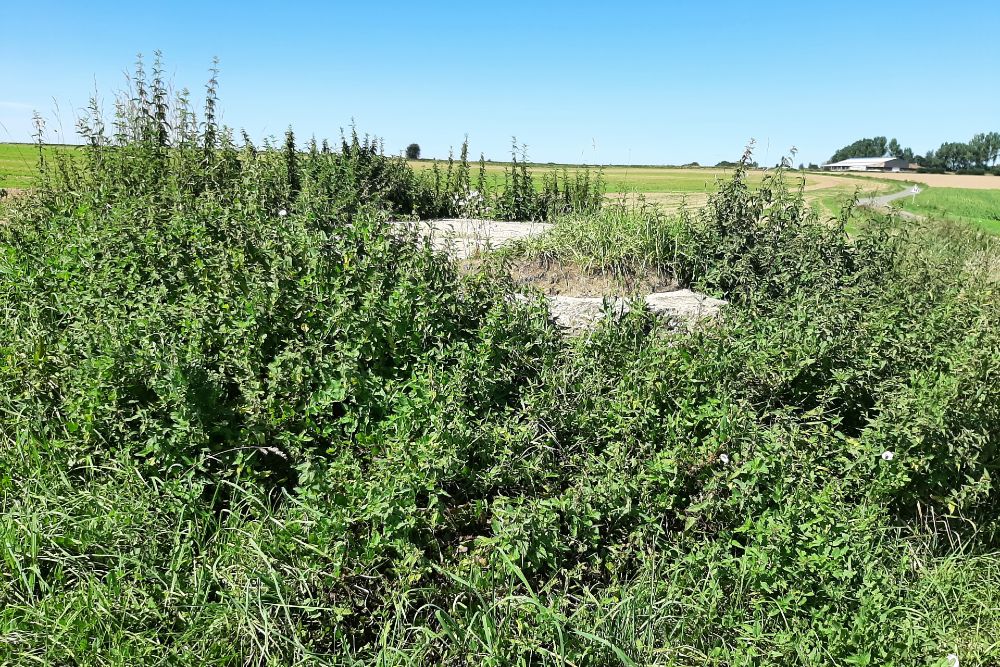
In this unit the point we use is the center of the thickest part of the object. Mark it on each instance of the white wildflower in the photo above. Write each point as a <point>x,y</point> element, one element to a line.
<point>724,458</point>
<point>282,213</point>
<point>952,660</point>
<point>887,455</point>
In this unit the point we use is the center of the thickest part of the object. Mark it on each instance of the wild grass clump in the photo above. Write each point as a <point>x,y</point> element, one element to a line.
<point>245,421</point>
<point>747,242</point>
<point>624,240</point>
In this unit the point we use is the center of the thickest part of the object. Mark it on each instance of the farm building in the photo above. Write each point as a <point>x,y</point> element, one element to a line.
<point>869,164</point>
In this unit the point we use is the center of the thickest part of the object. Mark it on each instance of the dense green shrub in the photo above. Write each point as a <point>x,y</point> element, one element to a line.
<point>764,243</point>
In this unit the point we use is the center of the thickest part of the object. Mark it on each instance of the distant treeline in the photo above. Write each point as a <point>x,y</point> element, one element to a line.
<point>978,154</point>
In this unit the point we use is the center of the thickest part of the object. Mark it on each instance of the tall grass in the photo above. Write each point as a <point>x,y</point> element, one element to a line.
<point>980,208</point>
<point>246,421</point>
<point>625,239</point>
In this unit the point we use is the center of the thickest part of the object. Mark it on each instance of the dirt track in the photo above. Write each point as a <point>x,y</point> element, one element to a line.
<point>941,180</point>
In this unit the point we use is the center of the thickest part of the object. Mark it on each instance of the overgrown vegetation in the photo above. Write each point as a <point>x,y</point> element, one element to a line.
<point>168,140</point>
<point>246,421</point>
<point>980,208</point>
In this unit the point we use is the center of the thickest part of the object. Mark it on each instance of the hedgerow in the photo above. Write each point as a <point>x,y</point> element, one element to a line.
<point>248,421</point>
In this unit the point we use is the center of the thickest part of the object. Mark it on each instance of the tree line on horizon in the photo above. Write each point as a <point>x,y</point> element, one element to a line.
<point>978,154</point>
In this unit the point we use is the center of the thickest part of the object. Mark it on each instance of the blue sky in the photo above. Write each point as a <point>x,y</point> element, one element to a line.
<point>640,82</point>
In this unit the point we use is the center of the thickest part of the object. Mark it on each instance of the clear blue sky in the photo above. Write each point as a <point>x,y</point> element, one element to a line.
<point>604,82</point>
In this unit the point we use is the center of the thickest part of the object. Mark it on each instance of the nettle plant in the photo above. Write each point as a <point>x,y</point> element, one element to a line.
<point>522,198</point>
<point>766,242</point>
<point>518,196</point>
<point>159,144</point>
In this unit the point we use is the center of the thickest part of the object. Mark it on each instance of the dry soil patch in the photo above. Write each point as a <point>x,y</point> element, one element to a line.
<point>942,180</point>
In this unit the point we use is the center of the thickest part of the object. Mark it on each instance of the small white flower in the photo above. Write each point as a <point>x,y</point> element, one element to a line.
<point>724,458</point>
<point>887,455</point>
<point>952,660</point>
<point>282,213</point>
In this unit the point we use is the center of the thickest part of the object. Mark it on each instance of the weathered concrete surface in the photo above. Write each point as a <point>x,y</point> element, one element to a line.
<point>468,237</point>
<point>684,307</point>
<point>577,313</point>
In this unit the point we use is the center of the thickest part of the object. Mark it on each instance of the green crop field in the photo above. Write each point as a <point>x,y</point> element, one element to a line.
<point>975,207</point>
<point>19,163</point>
<point>667,186</point>
<point>672,186</point>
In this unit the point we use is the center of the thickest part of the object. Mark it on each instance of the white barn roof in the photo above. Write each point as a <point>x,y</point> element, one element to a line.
<point>861,162</point>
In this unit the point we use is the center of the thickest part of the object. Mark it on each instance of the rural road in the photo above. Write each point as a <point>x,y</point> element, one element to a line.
<point>884,200</point>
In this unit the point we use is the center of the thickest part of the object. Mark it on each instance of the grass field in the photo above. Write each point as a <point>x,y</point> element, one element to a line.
<point>672,186</point>
<point>19,164</point>
<point>667,186</point>
<point>977,207</point>
<point>974,203</point>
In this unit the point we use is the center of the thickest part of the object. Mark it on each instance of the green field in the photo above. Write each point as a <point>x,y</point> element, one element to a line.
<point>671,186</point>
<point>976,207</point>
<point>668,186</point>
<point>19,163</point>
<point>625,179</point>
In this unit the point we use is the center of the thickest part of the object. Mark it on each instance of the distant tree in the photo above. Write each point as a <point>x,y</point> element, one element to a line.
<point>413,152</point>
<point>874,147</point>
<point>954,156</point>
<point>994,140</point>
<point>985,148</point>
<point>894,148</point>
<point>991,141</point>
<point>898,151</point>
<point>979,150</point>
